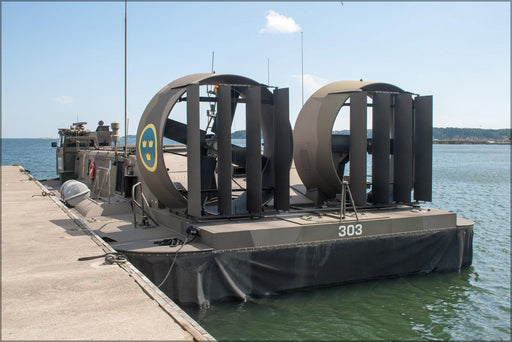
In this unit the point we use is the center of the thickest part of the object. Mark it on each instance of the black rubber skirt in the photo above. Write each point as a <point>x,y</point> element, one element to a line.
<point>206,277</point>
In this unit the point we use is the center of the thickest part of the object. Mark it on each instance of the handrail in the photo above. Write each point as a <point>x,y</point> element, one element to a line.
<point>344,188</point>
<point>98,184</point>
<point>140,205</point>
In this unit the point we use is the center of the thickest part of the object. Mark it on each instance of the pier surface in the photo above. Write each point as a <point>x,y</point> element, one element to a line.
<point>48,294</point>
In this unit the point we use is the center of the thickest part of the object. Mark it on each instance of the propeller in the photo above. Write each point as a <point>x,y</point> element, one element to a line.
<point>268,113</point>
<point>177,131</point>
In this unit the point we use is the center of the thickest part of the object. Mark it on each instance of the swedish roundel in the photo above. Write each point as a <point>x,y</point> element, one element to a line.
<point>148,147</point>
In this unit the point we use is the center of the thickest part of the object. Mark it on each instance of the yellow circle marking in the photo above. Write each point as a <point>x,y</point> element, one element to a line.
<point>147,144</point>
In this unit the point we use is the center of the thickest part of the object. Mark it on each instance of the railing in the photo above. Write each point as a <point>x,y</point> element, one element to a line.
<point>145,214</point>
<point>345,187</point>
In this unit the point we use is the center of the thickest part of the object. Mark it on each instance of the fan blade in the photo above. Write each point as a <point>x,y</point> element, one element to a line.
<point>239,154</point>
<point>340,142</point>
<point>177,131</point>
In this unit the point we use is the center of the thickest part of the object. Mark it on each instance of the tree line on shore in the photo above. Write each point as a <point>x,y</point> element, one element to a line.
<point>439,133</point>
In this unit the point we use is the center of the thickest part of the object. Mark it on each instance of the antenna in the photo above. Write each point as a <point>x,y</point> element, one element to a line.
<point>125,95</point>
<point>213,60</point>
<point>302,63</point>
<point>268,71</point>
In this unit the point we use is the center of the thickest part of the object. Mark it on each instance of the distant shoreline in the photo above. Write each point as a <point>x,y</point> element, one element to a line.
<point>470,142</point>
<point>435,141</point>
<point>440,135</point>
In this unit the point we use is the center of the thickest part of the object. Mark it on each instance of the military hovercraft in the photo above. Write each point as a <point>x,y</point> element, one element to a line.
<point>208,220</point>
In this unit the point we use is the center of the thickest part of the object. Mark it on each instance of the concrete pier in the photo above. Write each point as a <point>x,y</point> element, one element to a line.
<point>47,294</point>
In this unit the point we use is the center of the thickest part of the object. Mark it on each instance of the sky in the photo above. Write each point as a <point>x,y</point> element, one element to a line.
<point>64,61</point>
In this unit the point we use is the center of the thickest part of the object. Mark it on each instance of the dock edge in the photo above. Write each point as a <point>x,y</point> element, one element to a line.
<point>172,309</point>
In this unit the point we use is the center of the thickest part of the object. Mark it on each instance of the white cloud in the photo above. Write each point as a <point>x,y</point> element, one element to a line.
<point>312,83</point>
<point>278,23</point>
<point>64,99</point>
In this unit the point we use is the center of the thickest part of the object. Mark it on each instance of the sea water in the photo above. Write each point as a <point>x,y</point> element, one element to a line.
<point>474,304</point>
<point>472,180</point>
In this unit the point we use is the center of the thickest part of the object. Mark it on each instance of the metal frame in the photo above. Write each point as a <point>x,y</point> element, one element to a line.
<point>276,133</point>
<point>397,146</point>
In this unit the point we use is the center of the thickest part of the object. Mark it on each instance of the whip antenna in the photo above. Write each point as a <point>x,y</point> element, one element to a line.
<point>125,115</point>
<point>213,60</point>
<point>268,71</point>
<point>302,64</point>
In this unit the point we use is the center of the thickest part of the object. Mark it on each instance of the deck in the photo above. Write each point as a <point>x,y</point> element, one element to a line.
<point>48,294</point>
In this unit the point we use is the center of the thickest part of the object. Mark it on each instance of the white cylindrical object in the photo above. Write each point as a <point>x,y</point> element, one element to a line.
<point>73,192</point>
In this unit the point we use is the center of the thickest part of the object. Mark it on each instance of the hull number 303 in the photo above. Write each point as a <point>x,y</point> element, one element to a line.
<point>350,230</point>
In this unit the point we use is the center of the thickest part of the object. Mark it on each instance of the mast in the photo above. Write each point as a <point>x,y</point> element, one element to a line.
<point>268,71</point>
<point>302,63</point>
<point>213,60</point>
<point>125,95</point>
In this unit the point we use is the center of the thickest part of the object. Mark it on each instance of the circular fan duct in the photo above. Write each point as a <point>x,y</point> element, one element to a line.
<point>212,152</point>
<point>320,155</point>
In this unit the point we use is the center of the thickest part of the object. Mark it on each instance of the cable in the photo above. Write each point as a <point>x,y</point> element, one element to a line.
<point>172,264</point>
<point>190,231</point>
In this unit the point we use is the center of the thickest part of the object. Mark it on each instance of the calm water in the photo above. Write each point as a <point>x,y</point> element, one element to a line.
<point>472,180</point>
<point>35,155</point>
